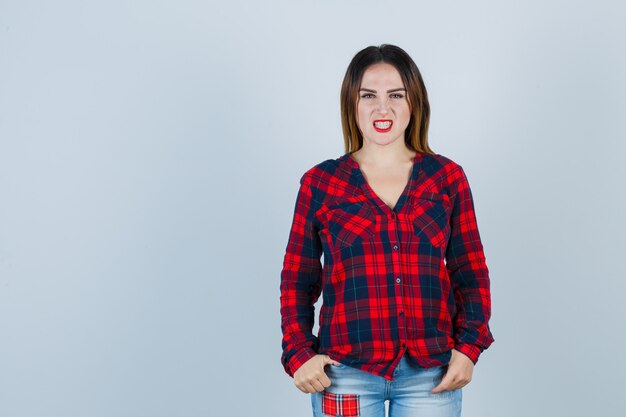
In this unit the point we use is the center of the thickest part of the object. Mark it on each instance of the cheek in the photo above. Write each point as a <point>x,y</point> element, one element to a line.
<point>406,114</point>
<point>361,117</point>
<point>362,126</point>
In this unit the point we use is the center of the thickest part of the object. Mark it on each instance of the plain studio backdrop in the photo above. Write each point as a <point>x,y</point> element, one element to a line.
<point>150,156</point>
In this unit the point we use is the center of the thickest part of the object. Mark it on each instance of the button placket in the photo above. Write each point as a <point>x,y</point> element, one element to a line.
<point>396,256</point>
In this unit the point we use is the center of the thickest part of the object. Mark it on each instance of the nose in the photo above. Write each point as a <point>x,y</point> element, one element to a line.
<point>383,105</point>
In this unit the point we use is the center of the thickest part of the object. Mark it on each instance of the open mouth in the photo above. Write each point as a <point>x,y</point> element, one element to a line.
<point>383,126</point>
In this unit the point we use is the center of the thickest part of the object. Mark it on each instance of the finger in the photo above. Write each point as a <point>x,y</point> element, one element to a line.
<point>439,388</point>
<point>331,361</point>
<point>445,384</point>
<point>305,385</point>
<point>304,388</point>
<point>309,387</point>
<point>450,383</point>
<point>317,385</point>
<point>324,380</point>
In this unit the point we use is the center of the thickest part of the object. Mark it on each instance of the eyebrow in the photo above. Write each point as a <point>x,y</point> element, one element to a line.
<point>389,91</point>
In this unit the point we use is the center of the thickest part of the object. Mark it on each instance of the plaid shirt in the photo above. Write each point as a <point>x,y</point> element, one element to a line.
<point>410,278</point>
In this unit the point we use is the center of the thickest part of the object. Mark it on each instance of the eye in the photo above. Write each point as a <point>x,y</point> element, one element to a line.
<point>367,95</point>
<point>397,96</point>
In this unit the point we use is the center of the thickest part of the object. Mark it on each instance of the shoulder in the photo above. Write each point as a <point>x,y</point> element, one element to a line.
<point>438,165</point>
<point>324,170</point>
<point>440,161</point>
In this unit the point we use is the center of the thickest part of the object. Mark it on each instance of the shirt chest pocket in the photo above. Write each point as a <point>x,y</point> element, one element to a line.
<point>430,219</point>
<point>351,223</point>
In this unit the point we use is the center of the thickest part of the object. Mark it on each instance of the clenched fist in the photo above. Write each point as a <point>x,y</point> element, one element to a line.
<point>310,377</point>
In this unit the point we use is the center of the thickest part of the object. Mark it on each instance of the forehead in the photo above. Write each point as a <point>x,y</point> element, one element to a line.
<point>381,74</point>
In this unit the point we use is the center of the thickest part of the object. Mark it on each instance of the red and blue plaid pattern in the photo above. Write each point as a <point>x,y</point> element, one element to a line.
<point>345,405</point>
<point>412,277</point>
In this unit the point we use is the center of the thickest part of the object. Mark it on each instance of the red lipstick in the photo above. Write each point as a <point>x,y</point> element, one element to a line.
<point>387,129</point>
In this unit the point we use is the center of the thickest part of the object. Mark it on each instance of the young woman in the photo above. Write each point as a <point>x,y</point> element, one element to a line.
<point>405,284</point>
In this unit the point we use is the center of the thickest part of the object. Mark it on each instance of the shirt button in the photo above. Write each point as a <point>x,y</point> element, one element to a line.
<point>393,215</point>
<point>402,313</point>
<point>395,247</point>
<point>398,280</point>
<point>403,344</point>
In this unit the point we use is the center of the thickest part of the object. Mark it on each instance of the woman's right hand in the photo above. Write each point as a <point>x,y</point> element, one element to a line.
<point>310,377</point>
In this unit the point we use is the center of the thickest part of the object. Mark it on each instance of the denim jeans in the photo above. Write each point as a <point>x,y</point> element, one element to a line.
<point>354,392</point>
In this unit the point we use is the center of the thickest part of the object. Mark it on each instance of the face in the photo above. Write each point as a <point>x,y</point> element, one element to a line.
<point>383,111</point>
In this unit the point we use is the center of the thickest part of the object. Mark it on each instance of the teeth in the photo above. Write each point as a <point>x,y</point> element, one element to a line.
<point>382,125</point>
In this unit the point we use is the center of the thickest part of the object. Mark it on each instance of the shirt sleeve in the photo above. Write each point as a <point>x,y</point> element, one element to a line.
<point>469,275</point>
<point>300,285</point>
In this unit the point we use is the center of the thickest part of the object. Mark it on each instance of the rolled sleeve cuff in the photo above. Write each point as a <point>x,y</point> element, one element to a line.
<point>299,358</point>
<point>471,351</point>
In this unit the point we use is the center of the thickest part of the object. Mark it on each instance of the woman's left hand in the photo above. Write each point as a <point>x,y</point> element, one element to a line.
<point>458,374</point>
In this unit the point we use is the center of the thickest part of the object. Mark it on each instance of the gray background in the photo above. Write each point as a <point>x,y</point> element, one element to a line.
<point>150,153</point>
